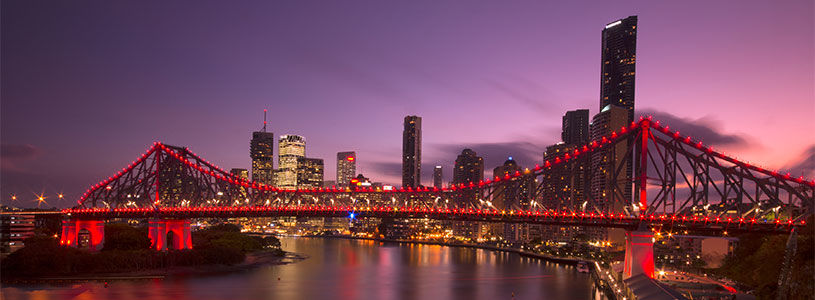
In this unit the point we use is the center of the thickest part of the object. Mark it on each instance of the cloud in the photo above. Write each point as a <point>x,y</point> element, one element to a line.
<point>524,97</point>
<point>704,129</point>
<point>804,165</point>
<point>384,169</point>
<point>12,155</point>
<point>18,151</point>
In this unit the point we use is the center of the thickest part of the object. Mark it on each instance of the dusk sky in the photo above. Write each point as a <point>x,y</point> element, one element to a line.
<point>87,86</point>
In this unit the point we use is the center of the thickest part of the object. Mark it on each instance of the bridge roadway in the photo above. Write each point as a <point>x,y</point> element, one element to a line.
<point>562,218</point>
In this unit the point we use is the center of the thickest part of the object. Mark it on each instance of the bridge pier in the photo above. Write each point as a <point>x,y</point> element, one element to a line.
<point>639,254</point>
<point>169,234</point>
<point>84,234</point>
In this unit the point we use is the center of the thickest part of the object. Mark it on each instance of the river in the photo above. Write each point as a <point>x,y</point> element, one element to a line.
<point>352,269</point>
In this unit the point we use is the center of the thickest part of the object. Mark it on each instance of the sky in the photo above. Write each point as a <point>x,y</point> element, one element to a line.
<point>87,86</point>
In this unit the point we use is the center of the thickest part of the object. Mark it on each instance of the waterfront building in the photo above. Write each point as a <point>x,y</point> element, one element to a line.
<point>469,167</point>
<point>14,229</point>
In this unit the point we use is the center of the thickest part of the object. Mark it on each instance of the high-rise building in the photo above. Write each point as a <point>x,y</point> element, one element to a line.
<point>309,172</point>
<point>346,167</point>
<point>618,65</point>
<point>241,173</point>
<point>291,147</point>
<point>437,177</point>
<point>469,167</point>
<point>261,150</point>
<point>575,127</point>
<point>606,187</point>
<point>513,194</point>
<point>412,152</point>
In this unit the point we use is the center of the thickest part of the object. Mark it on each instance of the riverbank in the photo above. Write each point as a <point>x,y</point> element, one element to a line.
<point>560,260</point>
<point>253,260</point>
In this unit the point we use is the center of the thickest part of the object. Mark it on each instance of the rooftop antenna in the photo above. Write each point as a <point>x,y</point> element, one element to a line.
<point>264,120</point>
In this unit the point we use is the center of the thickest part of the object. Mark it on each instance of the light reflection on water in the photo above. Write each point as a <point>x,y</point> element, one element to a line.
<point>353,269</point>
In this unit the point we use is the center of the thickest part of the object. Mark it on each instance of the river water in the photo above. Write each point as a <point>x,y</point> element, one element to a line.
<point>353,269</point>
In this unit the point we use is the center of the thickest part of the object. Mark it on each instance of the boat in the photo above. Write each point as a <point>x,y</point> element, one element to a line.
<point>582,267</point>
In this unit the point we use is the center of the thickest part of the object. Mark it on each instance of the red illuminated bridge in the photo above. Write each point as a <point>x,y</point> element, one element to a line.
<point>677,183</point>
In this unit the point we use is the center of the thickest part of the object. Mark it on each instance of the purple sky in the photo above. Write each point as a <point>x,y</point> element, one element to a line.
<point>87,86</point>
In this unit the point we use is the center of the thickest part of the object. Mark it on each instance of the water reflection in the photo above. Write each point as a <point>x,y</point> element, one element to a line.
<point>353,269</point>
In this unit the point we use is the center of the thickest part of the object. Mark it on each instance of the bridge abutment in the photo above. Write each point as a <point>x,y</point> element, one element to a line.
<point>178,231</point>
<point>84,234</point>
<point>639,254</point>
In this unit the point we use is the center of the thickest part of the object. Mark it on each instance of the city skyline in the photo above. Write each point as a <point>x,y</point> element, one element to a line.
<point>33,155</point>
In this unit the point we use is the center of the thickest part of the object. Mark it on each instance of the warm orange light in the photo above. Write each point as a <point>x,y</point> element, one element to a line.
<point>350,158</point>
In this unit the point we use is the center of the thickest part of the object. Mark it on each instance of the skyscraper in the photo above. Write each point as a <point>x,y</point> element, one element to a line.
<point>261,150</point>
<point>346,167</point>
<point>618,63</point>
<point>309,172</point>
<point>290,147</point>
<point>469,167</point>
<point>610,180</point>
<point>513,194</point>
<point>241,173</point>
<point>575,127</point>
<point>437,177</point>
<point>412,152</point>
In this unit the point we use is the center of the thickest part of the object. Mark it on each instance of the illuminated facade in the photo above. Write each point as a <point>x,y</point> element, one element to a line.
<point>437,177</point>
<point>291,147</point>
<point>618,65</point>
<point>346,167</point>
<point>261,151</point>
<point>241,173</point>
<point>412,152</point>
<point>309,172</point>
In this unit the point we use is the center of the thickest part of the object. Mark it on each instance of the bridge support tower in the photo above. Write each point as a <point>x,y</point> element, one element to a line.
<point>168,234</point>
<point>639,253</point>
<point>84,234</point>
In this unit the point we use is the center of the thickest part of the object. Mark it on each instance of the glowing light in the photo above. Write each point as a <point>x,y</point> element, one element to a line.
<point>350,158</point>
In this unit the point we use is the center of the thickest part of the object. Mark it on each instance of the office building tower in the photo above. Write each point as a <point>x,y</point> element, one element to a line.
<point>291,147</point>
<point>346,167</point>
<point>469,167</point>
<point>437,177</point>
<point>513,194</point>
<point>412,152</point>
<point>309,172</point>
<point>575,127</point>
<point>619,57</point>
<point>610,181</point>
<point>261,151</point>
<point>610,174</point>
<point>240,173</point>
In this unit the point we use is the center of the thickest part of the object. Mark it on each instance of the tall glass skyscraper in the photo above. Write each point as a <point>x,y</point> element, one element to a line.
<point>618,65</point>
<point>291,147</point>
<point>412,152</point>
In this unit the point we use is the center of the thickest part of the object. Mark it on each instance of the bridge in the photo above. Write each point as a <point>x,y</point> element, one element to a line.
<point>675,183</point>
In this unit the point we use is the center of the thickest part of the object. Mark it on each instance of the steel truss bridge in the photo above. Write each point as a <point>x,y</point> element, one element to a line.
<point>677,182</point>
